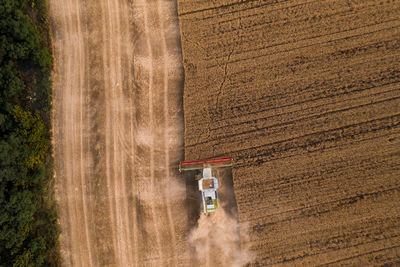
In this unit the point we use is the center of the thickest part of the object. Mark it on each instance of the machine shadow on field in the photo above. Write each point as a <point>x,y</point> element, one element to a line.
<point>226,194</point>
<point>193,198</point>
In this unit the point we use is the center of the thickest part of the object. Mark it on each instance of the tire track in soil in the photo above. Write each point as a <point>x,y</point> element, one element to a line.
<point>144,235</point>
<point>70,225</point>
<point>157,102</point>
<point>159,175</point>
<point>166,124</point>
<point>124,54</point>
<point>72,114</point>
<point>131,145</point>
<point>150,125</point>
<point>116,104</point>
<point>82,64</point>
<point>68,116</point>
<point>108,124</point>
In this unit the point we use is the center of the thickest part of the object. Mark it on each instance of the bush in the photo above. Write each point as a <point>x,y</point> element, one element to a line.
<point>28,219</point>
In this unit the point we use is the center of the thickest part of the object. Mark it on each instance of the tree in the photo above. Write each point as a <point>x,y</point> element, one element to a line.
<point>33,129</point>
<point>28,221</point>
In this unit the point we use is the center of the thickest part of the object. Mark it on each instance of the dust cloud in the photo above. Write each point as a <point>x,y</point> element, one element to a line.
<point>218,238</point>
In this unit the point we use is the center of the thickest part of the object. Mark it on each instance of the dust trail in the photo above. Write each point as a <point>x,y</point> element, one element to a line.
<point>218,238</point>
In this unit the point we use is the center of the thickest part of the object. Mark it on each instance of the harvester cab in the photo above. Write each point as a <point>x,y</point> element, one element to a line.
<point>208,183</point>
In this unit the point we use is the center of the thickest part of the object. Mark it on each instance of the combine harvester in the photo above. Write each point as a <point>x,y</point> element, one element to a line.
<point>208,184</point>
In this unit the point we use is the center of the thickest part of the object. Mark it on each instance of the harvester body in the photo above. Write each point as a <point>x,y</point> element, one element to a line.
<point>208,184</point>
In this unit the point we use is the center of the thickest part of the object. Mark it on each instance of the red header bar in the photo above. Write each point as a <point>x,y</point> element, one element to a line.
<point>194,162</point>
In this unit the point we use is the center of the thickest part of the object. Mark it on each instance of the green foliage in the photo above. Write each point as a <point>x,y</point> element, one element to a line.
<point>33,129</point>
<point>19,37</point>
<point>11,84</point>
<point>43,59</point>
<point>24,260</point>
<point>27,257</point>
<point>40,6</point>
<point>28,219</point>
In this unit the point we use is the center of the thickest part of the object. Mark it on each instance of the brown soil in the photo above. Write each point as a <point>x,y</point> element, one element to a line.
<point>118,133</point>
<point>305,96</point>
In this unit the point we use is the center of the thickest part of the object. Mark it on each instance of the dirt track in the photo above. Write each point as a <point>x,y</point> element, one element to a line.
<point>305,95</point>
<point>118,133</point>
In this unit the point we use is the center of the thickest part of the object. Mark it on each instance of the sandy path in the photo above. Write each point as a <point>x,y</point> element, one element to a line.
<point>118,133</point>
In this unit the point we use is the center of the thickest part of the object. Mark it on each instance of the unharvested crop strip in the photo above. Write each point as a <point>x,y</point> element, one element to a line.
<point>358,255</point>
<point>267,20</point>
<point>247,58</point>
<point>214,8</point>
<point>292,122</point>
<point>260,161</point>
<point>380,44</point>
<point>304,109</point>
<point>302,211</point>
<point>310,45</point>
<point>332,131</point>
<point>255,15</point>
<point>338,169</point>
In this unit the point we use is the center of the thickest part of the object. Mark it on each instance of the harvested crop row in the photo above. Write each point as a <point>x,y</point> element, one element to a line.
<point>118,133</point>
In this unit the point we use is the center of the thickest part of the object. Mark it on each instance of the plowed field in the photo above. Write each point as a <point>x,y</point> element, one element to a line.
<point>305,96</point>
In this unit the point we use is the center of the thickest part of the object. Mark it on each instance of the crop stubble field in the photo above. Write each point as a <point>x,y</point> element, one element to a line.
<point>305,96</point>
<point>118,133</point>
